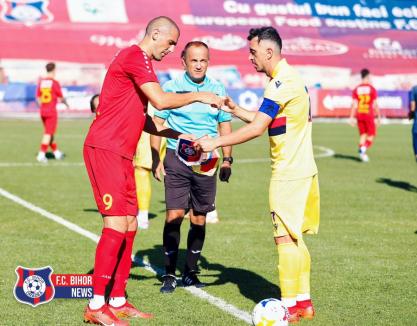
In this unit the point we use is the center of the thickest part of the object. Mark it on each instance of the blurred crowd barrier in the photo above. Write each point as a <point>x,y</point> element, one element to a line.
<point>19,99</point>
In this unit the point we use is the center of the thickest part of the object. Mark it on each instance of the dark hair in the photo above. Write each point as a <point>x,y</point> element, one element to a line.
<point>190,44</point>
<point>92,106</point>
<point>265,33</point>
<point>50,66</point>
<point>365,73</point>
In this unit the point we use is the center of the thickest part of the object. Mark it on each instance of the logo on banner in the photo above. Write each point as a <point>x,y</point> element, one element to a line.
<point>386,48</point>
<point>26,12</point>
<point>334,101</point>
<point>313,47</point>
<point>34,285</point>
<point>97,11</point>
<point>227,42</point>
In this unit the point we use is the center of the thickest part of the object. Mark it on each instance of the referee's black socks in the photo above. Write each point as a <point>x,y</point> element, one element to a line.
<point>171,241</point>
<point>195,242</point>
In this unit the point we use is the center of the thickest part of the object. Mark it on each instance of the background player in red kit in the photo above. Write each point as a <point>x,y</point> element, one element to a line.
<point>364,104</point>
<point>109,148</point>
<point>47,94</point>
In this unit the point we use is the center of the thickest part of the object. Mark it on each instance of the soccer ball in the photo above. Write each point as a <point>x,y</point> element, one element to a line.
<point>270,312</point>
<point>34,286</point>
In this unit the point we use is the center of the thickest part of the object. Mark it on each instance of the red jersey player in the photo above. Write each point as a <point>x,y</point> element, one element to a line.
<point>109,148</point>
<point>364,104</point>
<point>47,94</point>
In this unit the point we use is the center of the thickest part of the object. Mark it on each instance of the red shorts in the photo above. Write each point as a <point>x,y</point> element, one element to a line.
<point>113,180</point>
<point>367,126</point>
<point>49,124</point>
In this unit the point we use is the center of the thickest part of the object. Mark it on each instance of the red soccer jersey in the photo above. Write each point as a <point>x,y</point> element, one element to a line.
<point>48,92</point>
<point>366,96</point>
<point>121,111</point>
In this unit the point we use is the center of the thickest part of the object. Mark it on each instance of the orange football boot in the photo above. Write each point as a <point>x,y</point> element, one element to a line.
<point>293,316</point>
<point>129,311</point>
<point>102,316</point>
<point>305,309</point>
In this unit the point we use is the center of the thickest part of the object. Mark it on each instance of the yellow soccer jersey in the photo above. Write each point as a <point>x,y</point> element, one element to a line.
<point>287,102</point>
<point>143,156</point>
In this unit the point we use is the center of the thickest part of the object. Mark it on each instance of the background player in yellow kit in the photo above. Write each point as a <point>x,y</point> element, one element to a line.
<point>143,171</point>
<point>294,190</point>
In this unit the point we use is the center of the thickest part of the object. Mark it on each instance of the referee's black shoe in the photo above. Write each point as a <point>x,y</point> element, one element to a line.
<point>191,279</point>
<point>169,283</point>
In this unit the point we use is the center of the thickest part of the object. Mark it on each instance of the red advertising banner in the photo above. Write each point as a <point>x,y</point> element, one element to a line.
<point>336,103</point>
<point>350,34</point>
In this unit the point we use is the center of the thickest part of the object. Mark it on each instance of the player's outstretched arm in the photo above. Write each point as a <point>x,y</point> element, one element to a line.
<point>153,127</point>
<point>252,130</point>
<point>165,100</point>
<point>238,111</point>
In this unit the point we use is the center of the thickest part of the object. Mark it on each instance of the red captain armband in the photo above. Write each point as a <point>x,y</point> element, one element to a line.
<point>269,107</point>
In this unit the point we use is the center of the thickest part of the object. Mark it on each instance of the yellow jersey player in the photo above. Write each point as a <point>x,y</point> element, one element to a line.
<point>143,170</point>
<point>294,190</point>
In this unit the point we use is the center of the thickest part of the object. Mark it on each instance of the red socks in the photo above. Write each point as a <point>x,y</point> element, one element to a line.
<point>44,148</point>
<point>368,143</point>
<point>122,272</point>
<point>106,258</point>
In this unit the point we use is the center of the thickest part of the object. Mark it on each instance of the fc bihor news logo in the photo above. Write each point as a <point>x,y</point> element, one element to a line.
<point>34,285</point>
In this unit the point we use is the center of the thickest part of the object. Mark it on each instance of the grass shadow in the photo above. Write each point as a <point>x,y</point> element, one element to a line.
<point>251,285</point>
<point>95,210</point>
<point>398,184</point>
<point>347,157</point>
<point>152,215</point>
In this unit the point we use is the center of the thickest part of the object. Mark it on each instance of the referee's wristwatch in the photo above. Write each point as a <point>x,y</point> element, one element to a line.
<point>228,159</point>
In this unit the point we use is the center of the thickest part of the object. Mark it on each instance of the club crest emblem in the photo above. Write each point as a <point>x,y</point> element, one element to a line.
<point>26,12</point>
<point>34,285</point>
<point>186,151</point>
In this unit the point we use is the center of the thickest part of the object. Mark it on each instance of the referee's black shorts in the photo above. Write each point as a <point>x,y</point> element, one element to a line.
<point>185,189</point>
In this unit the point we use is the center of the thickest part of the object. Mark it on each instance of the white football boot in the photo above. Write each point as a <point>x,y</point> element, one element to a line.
<point>212,217</point>
<point>58,155</point>
<point>41,158</point>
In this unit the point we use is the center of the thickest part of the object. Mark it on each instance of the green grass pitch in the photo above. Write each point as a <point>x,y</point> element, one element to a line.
<point>364,259</point>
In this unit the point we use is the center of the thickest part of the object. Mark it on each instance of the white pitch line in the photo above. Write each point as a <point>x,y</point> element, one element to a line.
<point>326,152</point>
<point>48,215</point>
<point>219,303</point>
